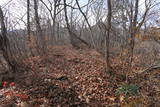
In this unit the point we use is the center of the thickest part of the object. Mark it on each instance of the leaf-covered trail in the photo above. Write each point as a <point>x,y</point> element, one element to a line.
<point>66,77</point>
<point>81,70</point>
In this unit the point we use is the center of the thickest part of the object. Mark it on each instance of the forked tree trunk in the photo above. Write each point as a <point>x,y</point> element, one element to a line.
<point>4,50</point>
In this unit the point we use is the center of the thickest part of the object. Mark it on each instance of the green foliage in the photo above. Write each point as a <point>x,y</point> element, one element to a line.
<point>128,90</point>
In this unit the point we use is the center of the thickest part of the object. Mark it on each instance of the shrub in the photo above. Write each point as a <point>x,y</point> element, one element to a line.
<point>128,90</point>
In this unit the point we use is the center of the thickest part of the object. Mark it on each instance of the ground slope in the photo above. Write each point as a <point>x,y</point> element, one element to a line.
<point>68,77</point>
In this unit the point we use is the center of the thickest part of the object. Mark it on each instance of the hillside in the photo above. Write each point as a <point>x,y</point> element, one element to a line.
<point>67,77</point>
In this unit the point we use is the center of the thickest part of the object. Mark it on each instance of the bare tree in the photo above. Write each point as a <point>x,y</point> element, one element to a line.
<point>53,11</point>
<point>72,34</point>
<point>28,18</point>
<point>108,34</point>
<point>94,45</point>
<point>38,27</point>
<point>135,26</point>
<point>29,26</point>
<point>4,46</point>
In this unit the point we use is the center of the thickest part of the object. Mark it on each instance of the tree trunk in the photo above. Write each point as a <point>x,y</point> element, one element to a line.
<point>28,18</point>
<point>108,35</point>
<point>39,29</point>
<point>4,50</point>
<point>29,28</point>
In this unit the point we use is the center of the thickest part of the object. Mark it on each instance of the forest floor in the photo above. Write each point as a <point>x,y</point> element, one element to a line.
<point>67,77</point>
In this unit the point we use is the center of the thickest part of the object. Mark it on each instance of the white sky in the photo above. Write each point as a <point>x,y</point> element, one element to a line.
<point>3,1</point>
<point>17,9</point>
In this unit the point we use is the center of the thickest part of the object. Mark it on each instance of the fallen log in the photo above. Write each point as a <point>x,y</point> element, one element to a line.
<point>151,68</point>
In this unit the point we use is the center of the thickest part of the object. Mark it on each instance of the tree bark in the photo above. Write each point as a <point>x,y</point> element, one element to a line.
<point>108,34</point>
<point>28,18</point>
<point>38,28</point>
<point>4,47</point>
<point>29,28</point>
